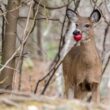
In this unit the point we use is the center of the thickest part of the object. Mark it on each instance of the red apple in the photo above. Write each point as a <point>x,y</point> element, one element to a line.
<point>77,37</point>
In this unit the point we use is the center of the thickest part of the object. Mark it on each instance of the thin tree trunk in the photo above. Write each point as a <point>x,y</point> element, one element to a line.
<point>9,44</point>
<point>39,37</point>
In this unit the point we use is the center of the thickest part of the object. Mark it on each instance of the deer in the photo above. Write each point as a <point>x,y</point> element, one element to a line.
<point>82,66</point>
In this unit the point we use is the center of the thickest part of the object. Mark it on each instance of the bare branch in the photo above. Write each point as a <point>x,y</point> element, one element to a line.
<point>43,18</point>
<point>105,67</point>
<point>20,59</point>
<point>58,60</point>
<point>52,8</point>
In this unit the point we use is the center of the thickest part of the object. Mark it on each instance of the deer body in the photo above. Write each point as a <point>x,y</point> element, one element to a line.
<point>82,66</point>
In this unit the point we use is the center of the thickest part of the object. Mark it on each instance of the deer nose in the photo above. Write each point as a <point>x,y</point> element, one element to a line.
<point>76,32</point>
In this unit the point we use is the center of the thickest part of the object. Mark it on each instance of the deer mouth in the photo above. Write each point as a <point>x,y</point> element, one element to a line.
<point>81,36</point>
<point>77,35</point>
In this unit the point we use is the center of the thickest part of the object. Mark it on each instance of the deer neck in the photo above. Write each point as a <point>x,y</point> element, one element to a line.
<point>88,51</point>
<point>88,44</point>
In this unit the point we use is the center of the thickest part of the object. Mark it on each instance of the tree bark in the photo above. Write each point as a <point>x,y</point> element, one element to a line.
<point>9,44</point>
<point>39,36</point>
<point>39,39</point>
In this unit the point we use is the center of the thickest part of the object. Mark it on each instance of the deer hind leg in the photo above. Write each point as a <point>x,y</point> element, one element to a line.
<point>95,93</point>
<point>87,91</point>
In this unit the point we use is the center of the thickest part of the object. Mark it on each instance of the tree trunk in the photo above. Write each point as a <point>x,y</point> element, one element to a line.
<point>9,44</point>
<point>39,37</point>
<point>39,42</point>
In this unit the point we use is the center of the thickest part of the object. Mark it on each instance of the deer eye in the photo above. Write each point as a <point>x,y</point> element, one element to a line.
<point>87,25</point>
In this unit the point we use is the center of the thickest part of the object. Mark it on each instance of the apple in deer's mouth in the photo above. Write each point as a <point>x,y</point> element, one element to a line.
<point>77,37</point>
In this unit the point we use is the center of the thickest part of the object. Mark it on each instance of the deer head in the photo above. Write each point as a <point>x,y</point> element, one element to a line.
<point>84,25</point>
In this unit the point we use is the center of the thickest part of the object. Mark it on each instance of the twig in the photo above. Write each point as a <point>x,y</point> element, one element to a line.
<point>27,33</point>
<point>4,13</point>
<point>77,4</point>
<point>105,38</point>
<point>43,18</point>
<point>9,67</point>
<point>62,42</point>
<point>50,78</point>
<point>24,41</point>
<point>105,67</point>
<point>20,59</point>
<point>105,2</point>
<point>52,8</point>
<point>62,38</point>
<point>9,11</point>
<point>13,55</point>
<point>57,59</point>
<point>52,67</point>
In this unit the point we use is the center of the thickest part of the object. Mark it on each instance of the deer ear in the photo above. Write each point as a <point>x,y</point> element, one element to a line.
<point>95,16</point>
<point>72,16</point>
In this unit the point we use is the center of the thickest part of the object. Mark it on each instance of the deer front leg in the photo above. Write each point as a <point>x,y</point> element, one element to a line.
<point>95,93</point>
<point>68,89</point>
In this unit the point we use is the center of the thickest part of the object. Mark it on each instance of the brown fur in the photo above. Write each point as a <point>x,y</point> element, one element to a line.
<point>82,68</point>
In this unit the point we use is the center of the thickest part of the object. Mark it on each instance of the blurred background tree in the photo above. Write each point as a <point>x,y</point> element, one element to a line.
<point>9,43</point>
